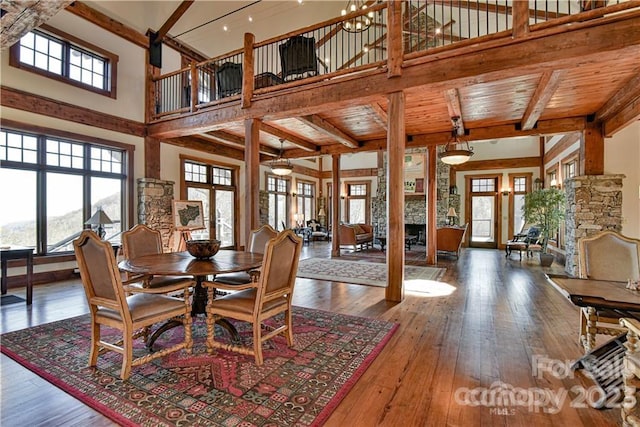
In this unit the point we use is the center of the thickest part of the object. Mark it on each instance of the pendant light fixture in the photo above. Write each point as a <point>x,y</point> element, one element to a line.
<point>457,151</point>
<point>281,166</point>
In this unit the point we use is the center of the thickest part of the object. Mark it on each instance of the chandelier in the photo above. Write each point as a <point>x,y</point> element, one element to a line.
<point>281,166</point>
<point>359,23</point>
<point>456,151</point>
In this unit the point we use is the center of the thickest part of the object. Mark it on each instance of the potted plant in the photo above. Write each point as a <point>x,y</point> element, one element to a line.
<point>544,207</point>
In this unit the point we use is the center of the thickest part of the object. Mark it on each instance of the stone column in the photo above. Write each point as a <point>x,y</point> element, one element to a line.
<point>155,204</point>
<point>594,204</point>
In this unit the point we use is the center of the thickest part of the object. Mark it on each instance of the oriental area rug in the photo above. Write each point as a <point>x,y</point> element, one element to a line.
<point>298,386</point>
<point>361,272</point>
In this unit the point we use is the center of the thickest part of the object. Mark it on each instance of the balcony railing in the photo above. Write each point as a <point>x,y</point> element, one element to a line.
<point>354,43</point>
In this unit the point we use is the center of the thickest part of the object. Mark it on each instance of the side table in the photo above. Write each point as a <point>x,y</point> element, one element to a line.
<point>17,252</point>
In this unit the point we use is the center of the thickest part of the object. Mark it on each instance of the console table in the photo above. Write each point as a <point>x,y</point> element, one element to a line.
<point>17,252</point>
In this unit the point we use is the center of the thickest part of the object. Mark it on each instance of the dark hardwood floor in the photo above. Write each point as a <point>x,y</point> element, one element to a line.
<point>499,318</point>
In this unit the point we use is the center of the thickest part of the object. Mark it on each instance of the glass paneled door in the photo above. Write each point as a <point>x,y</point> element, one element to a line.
<point>482,214</point>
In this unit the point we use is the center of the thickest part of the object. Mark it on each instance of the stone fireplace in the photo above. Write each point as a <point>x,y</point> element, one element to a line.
<point>415,206</point>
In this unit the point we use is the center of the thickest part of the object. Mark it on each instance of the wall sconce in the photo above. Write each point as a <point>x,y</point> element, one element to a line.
<point>506,191</point>
<point>554,183</point>
<point>538,184</point>
<point>293,194</point>
<point>342,196</point>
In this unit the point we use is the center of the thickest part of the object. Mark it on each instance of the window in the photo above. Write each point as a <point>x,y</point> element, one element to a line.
<point>215,186</point>
<point>62,183</point>
<point>358,203</point>
<point>552,178</point>
<point>570,167</point>
<point>521,185</point>
<point>483,185</point>
<point>278,191</point>
<point>305,201</point>
<point>60,56</point>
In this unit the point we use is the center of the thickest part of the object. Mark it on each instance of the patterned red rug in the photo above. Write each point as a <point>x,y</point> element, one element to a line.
<point>298,386</point>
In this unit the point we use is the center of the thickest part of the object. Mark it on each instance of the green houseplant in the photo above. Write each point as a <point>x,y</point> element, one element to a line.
<point>545,208</point>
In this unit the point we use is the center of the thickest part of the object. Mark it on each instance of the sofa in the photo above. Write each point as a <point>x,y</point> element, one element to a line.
<point>449,239</point>
<point>356,235</point>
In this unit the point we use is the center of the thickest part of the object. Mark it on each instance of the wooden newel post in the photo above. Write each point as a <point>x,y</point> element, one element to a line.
<point>247,70</point>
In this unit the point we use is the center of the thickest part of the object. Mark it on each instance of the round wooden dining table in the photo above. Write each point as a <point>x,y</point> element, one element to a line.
<point>184,264</point>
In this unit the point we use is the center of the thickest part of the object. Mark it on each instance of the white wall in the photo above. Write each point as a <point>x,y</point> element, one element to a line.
<point>622,156</point>
<point>130,79</point>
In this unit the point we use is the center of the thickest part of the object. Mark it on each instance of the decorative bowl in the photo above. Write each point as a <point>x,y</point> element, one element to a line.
<point>203,249</point>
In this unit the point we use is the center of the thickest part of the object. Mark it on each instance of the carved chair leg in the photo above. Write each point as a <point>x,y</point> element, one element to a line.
<point>629,409</point>
<point>589,337</point>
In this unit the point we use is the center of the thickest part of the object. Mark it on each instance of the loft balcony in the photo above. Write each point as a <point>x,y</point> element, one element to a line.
<point>508,68</point>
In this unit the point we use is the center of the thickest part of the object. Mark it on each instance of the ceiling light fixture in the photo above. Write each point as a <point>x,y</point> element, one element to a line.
<point>358,23</point>
<point>456,151</point>
<point>281,166</point>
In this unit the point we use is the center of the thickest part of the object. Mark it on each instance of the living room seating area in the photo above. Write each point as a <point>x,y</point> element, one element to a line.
<point>359,236</point>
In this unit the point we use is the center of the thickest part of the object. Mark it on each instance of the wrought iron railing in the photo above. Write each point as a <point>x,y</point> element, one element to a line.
<point>357,42</point>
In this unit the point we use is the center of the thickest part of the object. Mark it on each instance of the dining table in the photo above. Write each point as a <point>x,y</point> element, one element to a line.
<point>605,362</point>
<point>184,264</point>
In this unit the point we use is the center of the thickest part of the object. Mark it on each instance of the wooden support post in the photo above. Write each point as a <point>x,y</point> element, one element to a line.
<point>335,206</point>
<point>394,36</point>
<point>247,71</point>
<point>520,18</point>
<point>592,150</point>
<point>151,157</point>
<point>396,138</point>
<point>432,200</point>
<point>252,177</point>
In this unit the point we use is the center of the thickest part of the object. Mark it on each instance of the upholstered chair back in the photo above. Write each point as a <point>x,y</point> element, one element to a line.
<point>609,256</point>
<point>140,241</point>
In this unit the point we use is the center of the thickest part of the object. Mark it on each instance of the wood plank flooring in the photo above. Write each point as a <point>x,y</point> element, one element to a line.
<point>500,317</point>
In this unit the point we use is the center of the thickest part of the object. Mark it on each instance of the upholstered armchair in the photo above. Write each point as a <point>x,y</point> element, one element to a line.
<point>318,232</point>
<point>449,239</point>
<point>133,314</point>
<point>142,240</point>
<point>270,296</point>
<point>605,256</point>
<point>356,235</point>
<point>257,242</point>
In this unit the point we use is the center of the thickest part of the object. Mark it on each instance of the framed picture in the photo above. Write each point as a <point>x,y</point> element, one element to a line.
<point>188,215</point>
<point>415,170</point>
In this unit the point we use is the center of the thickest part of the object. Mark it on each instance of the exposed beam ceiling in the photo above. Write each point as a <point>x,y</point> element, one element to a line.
<point>547,85</point>
<point>321,125</point>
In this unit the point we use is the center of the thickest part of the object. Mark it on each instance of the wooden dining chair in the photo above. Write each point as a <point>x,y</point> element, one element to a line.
<point>142,240</point>
<point>271,295</point>
<point>605,256</point>
<point>110,306</point>
<point>258,239</point>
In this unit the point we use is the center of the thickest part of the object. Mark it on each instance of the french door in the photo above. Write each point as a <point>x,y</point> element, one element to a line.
<point>483,212</point>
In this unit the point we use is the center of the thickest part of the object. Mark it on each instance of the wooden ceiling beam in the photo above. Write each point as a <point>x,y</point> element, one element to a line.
<point>208,147</point>
<point>452,96</point>
<point>379,115</point>
<point>627,93</point>
<point>549,82</point>
<point>563,143</point>
<point>517,162</point>
<point>103,21</point>
<point>229,138</point>
<point>545,127</point>
<point>294,139</point>
<point>321,125</point>
<point>20,17</point>
<point>630,113</point>
<point>169,23</point>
